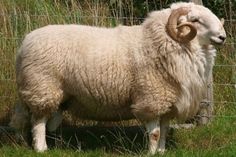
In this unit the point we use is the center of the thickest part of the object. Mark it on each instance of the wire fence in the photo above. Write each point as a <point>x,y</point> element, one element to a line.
<point>14,26</point>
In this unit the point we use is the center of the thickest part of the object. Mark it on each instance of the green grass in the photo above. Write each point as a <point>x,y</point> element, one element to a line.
<point>7,151</point>
<point>217,139</point>
<point>19,17</point>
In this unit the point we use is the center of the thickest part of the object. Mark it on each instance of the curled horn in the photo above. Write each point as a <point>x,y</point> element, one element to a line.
<point>175,31</point>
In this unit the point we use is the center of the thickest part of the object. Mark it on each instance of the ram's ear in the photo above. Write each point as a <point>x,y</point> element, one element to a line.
<point>222,20</point>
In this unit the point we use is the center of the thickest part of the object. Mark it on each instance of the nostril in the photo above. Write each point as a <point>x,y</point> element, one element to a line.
<point>222,37</point>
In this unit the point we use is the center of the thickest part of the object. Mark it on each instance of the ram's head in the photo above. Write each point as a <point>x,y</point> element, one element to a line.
<point>186,23</point>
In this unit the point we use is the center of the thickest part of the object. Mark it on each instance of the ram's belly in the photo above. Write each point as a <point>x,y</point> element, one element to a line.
<point>105,98</point>
<point>92,109</point>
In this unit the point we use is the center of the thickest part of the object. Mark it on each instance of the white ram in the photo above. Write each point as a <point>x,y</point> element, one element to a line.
<point>153,72</point>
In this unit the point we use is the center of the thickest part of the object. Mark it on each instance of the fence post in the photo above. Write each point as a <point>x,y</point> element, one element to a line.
<point>232,44</point>
<point>206,107</point>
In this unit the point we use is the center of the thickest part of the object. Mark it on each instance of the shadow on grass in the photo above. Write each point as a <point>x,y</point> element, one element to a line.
<point>132,139</point>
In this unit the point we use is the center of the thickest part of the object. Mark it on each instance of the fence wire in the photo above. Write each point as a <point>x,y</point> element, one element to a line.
<point>84,16</point>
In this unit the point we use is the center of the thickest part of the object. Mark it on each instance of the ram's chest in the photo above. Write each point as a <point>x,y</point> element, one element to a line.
<point>193,84</point>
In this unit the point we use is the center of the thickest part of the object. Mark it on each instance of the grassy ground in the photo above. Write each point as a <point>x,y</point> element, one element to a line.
<point>217,139</point>
<point>18,17</point>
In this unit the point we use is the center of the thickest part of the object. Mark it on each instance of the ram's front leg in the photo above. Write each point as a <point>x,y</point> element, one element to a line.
<point>153,129</point>
<point>157,130</point>
<point>164,130</point>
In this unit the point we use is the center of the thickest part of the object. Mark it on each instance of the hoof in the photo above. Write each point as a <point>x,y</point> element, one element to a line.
<point>40,149</point>
<point>161,151</point>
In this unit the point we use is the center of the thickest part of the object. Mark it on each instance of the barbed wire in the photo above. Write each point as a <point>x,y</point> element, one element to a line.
<point>225,65</point>
<point>74,15</point>
<point>224,84</point>
<point>216,116</point>
<point>84,16</point>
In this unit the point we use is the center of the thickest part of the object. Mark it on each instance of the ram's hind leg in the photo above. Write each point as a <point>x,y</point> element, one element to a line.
<point>39,120</point>
<point>54,121</point>
<point>39,133</point>
<point>42,101</point>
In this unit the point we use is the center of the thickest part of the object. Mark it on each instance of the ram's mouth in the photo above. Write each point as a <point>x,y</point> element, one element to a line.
<point>217,41</point>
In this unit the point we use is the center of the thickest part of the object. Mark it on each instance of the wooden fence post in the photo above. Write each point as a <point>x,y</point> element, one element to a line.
<point>206,107</point>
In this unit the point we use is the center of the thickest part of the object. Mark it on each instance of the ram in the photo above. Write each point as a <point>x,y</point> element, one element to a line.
<point>153,72</point>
